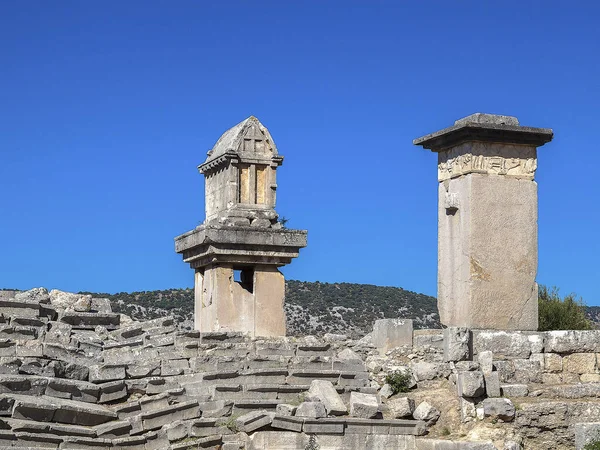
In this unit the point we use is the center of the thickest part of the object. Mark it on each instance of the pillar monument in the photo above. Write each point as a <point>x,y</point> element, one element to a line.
<point>238,249</point>
<point>487,222</point>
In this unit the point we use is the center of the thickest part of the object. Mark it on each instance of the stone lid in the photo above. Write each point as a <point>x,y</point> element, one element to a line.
<point>485,127</point>
<point>233,139</point>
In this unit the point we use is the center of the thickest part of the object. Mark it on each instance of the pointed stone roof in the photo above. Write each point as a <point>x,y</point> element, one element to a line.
<point>248,136</point>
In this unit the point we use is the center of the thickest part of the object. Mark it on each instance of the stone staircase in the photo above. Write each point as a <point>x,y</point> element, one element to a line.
<point>75,375</point>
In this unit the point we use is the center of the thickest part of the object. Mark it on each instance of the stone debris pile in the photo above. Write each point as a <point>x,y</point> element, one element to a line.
<point>75,375</point>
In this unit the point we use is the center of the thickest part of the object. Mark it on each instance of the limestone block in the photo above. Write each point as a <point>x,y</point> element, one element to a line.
<point>386,391</point>
<point>508,344</point>
<point>468,410</point>
<point>500,408</point>
<point>364,406</point>
<point>485,360</point>
<point>401,407</point>
<point>427,413</point>
<point>254,420</point>
<point>35,295</point>
<point>580,363</point>
<point>324,392</point>
<point>553,362</point>
<point>514,390</point>
<point>392,333</point>
<point>492,384</point>
<point>323,426</point>
<point>572,341</point>
<point>288,423</point>
<point>487,253</point>
<point>429,371</point>
<point>283,409</point>
<point>590,378</point>
<point>103,373</point>
<point>314,410</point>
<point>457,344</point>
<point>470,384</point>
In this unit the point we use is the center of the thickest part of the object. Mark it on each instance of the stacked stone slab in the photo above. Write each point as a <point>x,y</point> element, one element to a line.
<point>487,222</point>
<point>241,234</point>
<point>79,379</point>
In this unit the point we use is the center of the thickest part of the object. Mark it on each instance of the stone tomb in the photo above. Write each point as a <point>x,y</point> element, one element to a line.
<point>487,222</point>
<point>236,252</point>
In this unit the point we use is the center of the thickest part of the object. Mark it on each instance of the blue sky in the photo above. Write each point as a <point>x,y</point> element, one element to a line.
<point>106,109</point>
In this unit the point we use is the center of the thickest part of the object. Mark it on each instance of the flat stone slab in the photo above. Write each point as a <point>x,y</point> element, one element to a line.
<point>51,409</point>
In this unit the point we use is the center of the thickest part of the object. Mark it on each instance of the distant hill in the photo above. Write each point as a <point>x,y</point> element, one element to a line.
<point>311,308</point>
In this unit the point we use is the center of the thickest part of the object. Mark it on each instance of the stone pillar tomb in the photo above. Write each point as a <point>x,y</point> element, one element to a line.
<point>236,252</point>
<point>487,222</point>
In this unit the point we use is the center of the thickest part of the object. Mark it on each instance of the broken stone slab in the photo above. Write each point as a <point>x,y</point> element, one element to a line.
<point>89,321</point>
<point>391,333</point>
<point>470,384</point>
<point>514,390</point>
<point>364,406</point>
<point>457,344</point>
<point>204,442</point>
<point>283,409</point>
<point>500,408</point>
<point>401,407</point>
<point>106,372</point>
<point>18,332</point>
<point>51,409</point>
<point>424,371</point>
<point>217,408</point>
<point>21,308</point>
<point>386,391</point>
<point>23,384</point>
<point>143,369</point>
<point>112,430</point>
<point>324,392</point>
<point>288,423</point>
<point>72,390</point>
<point>427,413</point>
<point>154,420</point>
<point>254,420</point>
<point>35,295</point>
<point>112,391</point>
<point>313,410</point>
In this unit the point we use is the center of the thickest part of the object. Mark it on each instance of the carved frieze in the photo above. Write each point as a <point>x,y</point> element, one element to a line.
<point>516,161</point>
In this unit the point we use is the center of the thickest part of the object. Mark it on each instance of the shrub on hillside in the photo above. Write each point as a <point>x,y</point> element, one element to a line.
<point>560,314</point>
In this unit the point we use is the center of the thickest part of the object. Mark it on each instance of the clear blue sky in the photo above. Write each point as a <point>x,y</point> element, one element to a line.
<point>107,107</point>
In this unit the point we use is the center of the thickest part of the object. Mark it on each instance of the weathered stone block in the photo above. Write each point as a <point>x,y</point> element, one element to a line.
<point>514,390</point>
<point>470,384</point>
<point>492,384</point>
<point>103,373</point>
<point>501,408</point>
<point>391,333</point>
<point>254,420</point>
<point>313,410</point>
<point>324,392</point>
<point>580,363</point>
<point>401,407</point>
<point>364,406</point>
<point>426,412</point>
<point>457,344</point>
<point>508,344</point>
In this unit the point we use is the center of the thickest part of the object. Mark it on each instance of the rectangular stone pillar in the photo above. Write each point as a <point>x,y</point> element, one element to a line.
<point>487,222</point>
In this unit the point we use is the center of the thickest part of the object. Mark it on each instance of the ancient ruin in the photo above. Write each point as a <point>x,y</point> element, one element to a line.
<point>487,222</point>
<point>74,374</point>
<point>241,236</point>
